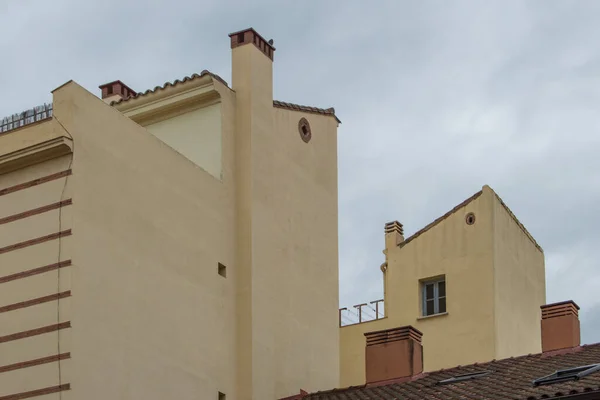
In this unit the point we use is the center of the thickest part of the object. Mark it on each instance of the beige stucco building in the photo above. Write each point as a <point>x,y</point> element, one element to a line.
<point>175,244</point>
<point>472,282</point>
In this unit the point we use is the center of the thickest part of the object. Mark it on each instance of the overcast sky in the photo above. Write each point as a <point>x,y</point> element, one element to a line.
<point>437,98</point>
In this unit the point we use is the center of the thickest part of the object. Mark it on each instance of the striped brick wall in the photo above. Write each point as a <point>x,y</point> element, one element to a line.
<point>35,281</point>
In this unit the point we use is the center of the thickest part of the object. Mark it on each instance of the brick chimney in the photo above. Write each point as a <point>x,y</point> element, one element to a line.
<point>251,36</point>
<point>560,326</point>
<point>393,354</point>
<point>114,91</point>
<point>394,234</point>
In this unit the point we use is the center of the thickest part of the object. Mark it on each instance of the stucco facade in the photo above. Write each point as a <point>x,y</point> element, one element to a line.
<point>494,286</point>
<point>180,243</point>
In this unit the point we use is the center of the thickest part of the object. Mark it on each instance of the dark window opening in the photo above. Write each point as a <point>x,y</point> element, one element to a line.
<point>222,270</point>
<point>434,297</point>
<point>109,90</point>
<point>240,37</point>
<point>222,396</point>
<point>567,375</point>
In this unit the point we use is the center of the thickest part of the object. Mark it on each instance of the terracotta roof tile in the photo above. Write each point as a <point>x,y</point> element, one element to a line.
<point>308,109</point>
<point>276,103</point>
<point>511,378</point>
<point>174,83</point>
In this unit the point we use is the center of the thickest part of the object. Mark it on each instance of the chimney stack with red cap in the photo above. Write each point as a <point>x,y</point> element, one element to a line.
<point>252,71</point>
<point>393,354</point>
<point>560,326</point>
<point>250,36</point>
<point>115,91</point>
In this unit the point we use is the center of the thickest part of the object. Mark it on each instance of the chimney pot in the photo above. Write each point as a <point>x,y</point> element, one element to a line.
<point>393,354</point>
<point>251,36</point>
<point>116,90</point>
<point>560,326</point>
<point>394,234</point>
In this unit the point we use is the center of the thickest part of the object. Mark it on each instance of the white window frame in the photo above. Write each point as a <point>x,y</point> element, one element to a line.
<point>436,296</point>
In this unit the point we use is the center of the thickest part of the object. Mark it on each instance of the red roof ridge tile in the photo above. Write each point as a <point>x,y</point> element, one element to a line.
<point>174,83</point>
<point>309,109</point>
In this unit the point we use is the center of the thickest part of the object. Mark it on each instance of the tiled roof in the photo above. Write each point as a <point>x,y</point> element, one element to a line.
<point>174,83</point>
<point>276,103</point>
<point>511,378</point>
<point>308,109</point>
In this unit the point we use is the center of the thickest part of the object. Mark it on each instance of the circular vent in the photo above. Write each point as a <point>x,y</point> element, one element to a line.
<point>470,218</point>
<point>304,130</point>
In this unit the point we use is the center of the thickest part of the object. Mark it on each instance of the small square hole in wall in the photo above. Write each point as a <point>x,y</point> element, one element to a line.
<point>222,395</point>
<point>223,272</point>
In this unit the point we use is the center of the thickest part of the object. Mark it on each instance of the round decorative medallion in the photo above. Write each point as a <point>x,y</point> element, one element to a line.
<point>304,130</point>
<point>470,218</point>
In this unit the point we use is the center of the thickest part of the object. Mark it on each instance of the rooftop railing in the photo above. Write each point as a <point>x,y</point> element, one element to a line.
<point>27,117</point>
<point>364,312</point>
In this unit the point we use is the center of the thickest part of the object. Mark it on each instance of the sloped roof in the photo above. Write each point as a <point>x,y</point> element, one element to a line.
<point>174,83</point>
<point>276,103</point>
<point>509,379</point>
<point>308,109</point>
<point>464,204</point>
<point>440,219</point>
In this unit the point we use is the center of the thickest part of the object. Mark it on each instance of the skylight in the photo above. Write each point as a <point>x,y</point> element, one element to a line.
<point>567,375</point>
<point>464,377</point>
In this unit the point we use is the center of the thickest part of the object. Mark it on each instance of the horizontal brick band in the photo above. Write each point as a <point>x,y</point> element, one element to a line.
<point>33,363</point>
<point>35,241</point>
<point>36,393</point>
<point>33,302</point>
<point>35,182</point>
<point>35,271</point>
<point>34,332</point>
<point>36,211</point>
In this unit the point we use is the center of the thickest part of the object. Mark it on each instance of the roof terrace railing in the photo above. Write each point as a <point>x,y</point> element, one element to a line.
<point>365,312</point>
<point>27,117</point>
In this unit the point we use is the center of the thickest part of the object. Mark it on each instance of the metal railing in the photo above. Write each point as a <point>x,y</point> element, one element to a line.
<point>27,117</point>
<point>365,312</point>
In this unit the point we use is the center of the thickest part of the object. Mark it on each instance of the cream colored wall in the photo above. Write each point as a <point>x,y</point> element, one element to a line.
<point>463,254</point>
<point>519,286</point>
<point>152,318</point>
<point>15,289</point>
<point>196,135</point>
<point>287,241</point>
<point>296,276</point>
<point>495,284</point>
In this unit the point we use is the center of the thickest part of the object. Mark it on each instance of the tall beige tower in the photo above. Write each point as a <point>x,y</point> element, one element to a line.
<point>287,232</point>
<point>179,242</point>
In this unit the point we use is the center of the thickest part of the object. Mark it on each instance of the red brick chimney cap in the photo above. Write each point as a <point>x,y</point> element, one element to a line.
<point>561,303</point>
